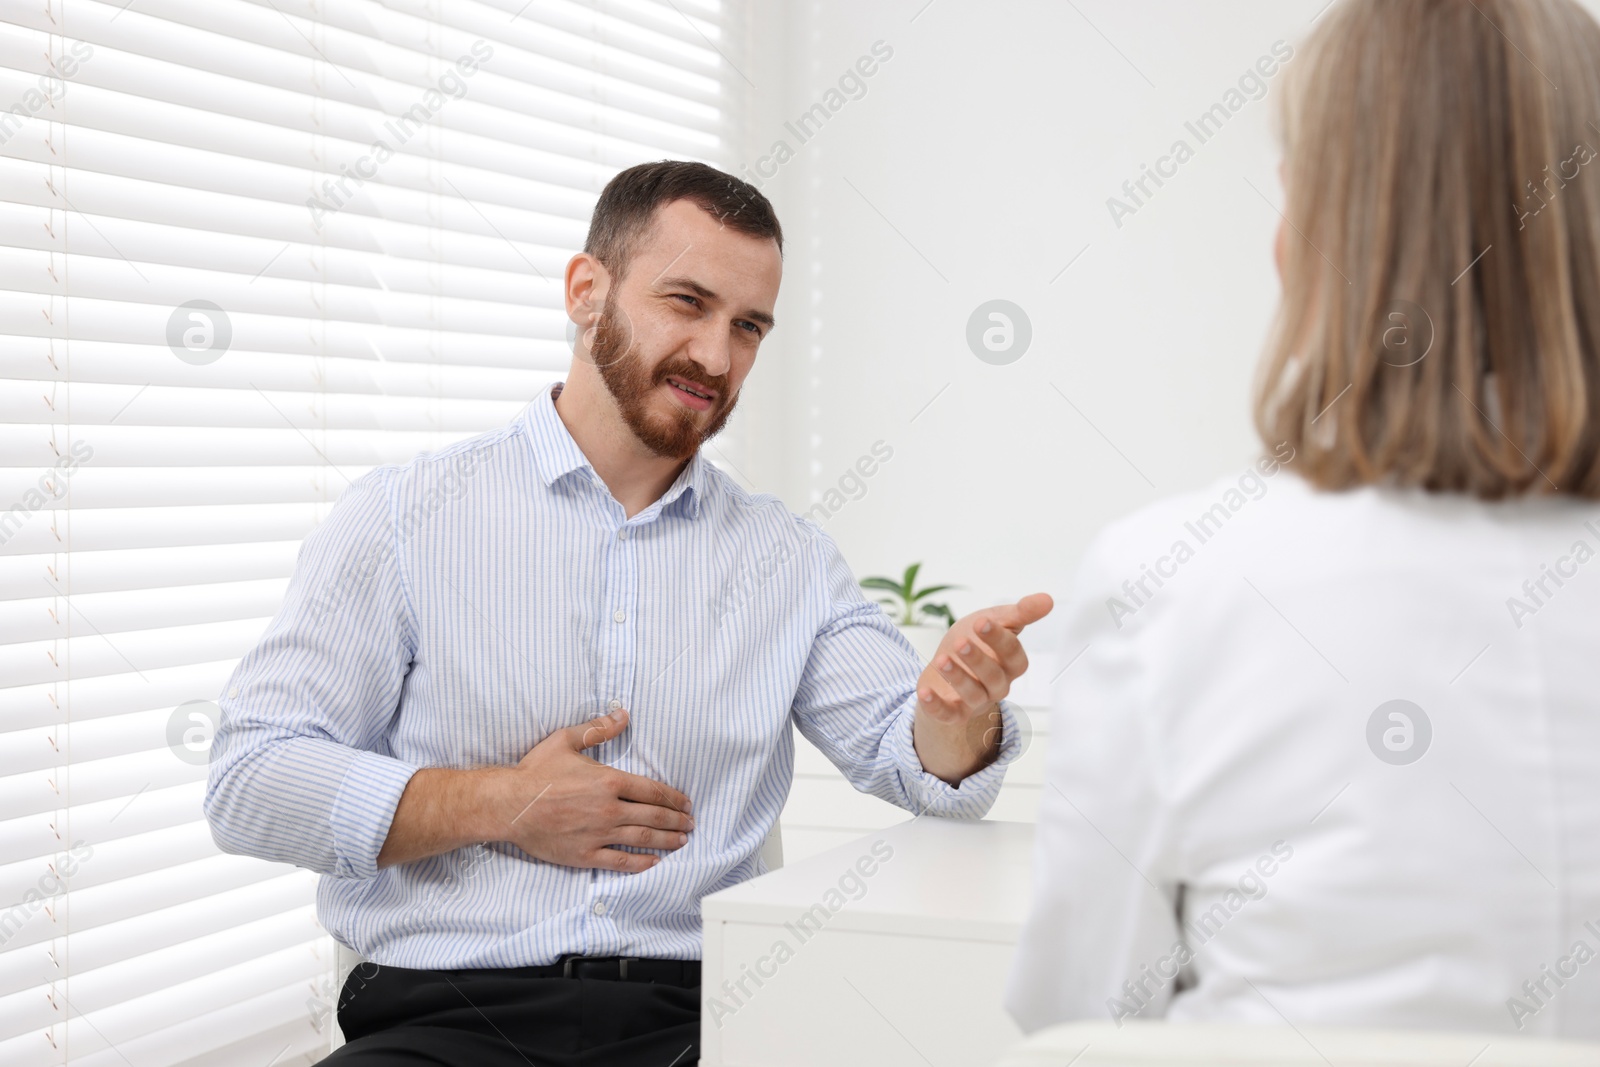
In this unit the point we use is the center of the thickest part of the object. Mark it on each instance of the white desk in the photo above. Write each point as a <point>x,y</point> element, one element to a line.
<point>911,972</point>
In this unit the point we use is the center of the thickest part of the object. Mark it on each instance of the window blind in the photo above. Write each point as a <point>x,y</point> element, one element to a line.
<point>250,249</point>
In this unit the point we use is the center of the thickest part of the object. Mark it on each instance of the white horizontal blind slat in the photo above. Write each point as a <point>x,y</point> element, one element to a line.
<point>26,707</point>
<point>161,925</point>
<point>142,366</point>
<point>371,305</point>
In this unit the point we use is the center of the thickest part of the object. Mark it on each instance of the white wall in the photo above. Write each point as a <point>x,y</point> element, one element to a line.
<point>991,141</point>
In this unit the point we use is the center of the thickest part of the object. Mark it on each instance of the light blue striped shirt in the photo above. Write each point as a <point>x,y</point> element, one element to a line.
<point>454,610</point>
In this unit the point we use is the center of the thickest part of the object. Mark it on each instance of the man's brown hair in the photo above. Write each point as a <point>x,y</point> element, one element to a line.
<point>1440,323</point>
<point>628,203</point>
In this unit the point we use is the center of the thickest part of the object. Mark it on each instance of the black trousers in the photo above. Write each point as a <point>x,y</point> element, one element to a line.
<point>393,1016</point>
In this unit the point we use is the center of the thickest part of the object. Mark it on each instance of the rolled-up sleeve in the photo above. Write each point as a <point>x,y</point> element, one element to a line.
<point>300,771</point>
<point>857,701</point>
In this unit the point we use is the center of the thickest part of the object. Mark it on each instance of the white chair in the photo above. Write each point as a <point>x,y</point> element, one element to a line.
<point>1159,1044</point>
<point>348,958</point>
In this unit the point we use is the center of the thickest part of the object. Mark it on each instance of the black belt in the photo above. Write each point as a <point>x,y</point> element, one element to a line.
<point>618,969</point>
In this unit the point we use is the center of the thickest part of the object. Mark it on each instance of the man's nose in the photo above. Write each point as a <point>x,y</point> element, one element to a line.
<point>712,349</point>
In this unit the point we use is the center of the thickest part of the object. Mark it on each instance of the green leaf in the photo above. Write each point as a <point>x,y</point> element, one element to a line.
<point>909,598</point>
<point>911,578</point>
<point>887,585</point>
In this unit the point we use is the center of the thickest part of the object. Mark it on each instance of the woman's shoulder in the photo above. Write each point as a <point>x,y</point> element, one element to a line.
<point>1262,509</point>
<point>1253,502</point>
<point>1192,562</point>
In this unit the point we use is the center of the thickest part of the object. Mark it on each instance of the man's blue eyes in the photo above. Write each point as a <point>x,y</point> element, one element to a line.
<point>743,324</point>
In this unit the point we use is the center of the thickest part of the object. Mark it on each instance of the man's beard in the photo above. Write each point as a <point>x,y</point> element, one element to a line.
<point>632,384</point>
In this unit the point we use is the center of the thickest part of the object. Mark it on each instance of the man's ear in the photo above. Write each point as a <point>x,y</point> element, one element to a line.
<point>587,283</point>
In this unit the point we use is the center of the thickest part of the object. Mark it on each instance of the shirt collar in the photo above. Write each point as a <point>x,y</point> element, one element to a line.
<point>557,455</point>
<point>690,484</point>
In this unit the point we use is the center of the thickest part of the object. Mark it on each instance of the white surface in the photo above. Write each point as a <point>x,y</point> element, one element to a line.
<point>912,967</point>
<point>1212,1045</point>
<point>1226,724</point>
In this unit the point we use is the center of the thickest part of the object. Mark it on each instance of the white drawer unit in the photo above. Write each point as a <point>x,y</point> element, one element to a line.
<point>891,949</point>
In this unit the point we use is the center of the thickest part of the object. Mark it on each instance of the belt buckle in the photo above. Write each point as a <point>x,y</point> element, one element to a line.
<point>621,961</point>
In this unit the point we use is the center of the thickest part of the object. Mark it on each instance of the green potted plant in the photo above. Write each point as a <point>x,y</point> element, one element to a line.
<point>922,621</point>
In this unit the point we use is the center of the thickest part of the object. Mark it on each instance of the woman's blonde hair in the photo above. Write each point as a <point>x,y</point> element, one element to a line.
<point>1440,324</point>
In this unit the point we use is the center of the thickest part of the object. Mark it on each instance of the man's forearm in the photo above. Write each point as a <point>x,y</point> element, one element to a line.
<point>952,752</point>
<point>442,810</point>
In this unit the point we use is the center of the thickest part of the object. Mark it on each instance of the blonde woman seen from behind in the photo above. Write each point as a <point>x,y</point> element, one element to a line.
<point>1330,750</point>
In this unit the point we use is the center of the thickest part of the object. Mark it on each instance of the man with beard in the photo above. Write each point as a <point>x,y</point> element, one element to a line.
<point>507,710</point>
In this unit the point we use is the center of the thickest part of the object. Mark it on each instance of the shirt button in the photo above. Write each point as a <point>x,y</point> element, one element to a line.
<point>621,616</point>
<point>234,691</point>
<point>613,704</point>
<point>622,534</point>
<point>599,907</point>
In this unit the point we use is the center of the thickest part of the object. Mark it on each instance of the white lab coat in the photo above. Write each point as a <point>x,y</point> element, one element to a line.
<point>1214,749</point>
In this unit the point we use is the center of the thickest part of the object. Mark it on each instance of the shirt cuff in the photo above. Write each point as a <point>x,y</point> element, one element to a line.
<point>927,793</point>
<point>363,810</point>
